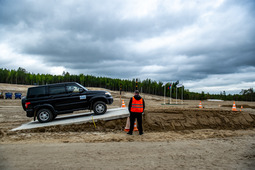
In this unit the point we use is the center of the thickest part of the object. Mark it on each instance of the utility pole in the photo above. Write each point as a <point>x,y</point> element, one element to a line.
<point>171,92</point>
<point>120,93</point>
<point>136,84</point>
<point>176,94</point>
<point>165,94</point>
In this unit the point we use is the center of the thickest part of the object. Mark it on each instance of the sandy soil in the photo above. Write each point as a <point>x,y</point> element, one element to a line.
<point>215,153</point>
<point>176,137</point>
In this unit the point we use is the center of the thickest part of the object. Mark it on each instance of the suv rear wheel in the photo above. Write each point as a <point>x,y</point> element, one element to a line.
<point>99,108</point>
<point>44,115</point>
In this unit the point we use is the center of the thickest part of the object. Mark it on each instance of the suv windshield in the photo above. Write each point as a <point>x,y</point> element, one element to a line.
<point>81,86</point>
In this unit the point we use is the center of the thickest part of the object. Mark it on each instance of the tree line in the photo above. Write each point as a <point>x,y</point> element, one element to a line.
<point>21,76</point>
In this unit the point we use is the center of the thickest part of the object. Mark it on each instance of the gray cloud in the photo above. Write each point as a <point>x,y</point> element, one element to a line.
<point>161,40</point>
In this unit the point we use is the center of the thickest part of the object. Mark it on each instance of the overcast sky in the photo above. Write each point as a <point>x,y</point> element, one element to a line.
<point>208,45</point>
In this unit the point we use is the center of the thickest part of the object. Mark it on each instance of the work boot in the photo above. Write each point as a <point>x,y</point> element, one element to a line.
<point>141,133</point>
<point>129,133</point>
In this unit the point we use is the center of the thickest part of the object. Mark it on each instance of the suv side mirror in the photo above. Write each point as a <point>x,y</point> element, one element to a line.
<point>81,90</point>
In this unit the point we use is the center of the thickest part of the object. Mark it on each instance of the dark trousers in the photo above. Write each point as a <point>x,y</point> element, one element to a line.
<point>138,116</point>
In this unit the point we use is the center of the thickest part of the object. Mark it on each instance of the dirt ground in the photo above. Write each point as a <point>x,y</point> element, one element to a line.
<point>177,136</point>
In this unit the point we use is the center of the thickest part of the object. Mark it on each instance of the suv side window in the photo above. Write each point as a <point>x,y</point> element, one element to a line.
<point>36,92</point>
<point>72,88</point>
<point>55,90</point>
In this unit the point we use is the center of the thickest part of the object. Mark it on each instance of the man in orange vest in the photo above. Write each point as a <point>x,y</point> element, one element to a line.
<point>136,108</point>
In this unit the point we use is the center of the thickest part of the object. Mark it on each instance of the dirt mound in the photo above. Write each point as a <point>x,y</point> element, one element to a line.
<point>198,119</point>
<point>162,120</point>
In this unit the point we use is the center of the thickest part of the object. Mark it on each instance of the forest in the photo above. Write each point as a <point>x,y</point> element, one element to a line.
<point>21,76</point>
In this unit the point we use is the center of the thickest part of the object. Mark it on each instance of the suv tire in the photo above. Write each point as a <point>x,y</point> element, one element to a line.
<point>44,115</point>
<point>99,108</point>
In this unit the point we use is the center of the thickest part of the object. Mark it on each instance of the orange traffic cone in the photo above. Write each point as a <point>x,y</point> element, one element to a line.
<point>241,108</point>
<point>135,128</point>
<point>234,107</point>
<point>200,105</point>
<point>127,125</point>
<point>123,104</point>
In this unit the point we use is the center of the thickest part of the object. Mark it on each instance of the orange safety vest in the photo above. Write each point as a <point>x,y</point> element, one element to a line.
<point>137,105</point>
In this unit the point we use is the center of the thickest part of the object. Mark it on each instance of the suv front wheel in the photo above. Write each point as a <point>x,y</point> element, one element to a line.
<point>44,115</point>
<point>99,108</point>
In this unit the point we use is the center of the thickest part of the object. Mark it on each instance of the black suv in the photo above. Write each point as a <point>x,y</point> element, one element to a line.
<point>47,101</point>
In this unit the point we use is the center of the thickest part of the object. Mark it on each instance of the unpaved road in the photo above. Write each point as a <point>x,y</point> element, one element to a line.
<point>176,137</point>
<point>215,153</point>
